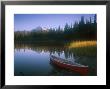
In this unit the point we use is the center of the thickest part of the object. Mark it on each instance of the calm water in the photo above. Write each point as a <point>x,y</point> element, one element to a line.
<point>33,60</point>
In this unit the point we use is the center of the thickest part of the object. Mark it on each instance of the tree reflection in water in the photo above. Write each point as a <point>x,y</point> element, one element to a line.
<point>58,50</point>
<point>74,55</point>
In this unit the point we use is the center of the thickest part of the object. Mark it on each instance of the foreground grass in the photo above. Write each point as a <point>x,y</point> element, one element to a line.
<point>84,48</point>
<point>79,44</point>
<point>89,51</point>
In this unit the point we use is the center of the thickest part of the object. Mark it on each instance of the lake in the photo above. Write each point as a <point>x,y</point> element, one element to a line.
<point>34,60</point>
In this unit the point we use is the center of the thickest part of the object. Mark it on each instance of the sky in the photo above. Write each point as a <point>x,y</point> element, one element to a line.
<point>28,22</point>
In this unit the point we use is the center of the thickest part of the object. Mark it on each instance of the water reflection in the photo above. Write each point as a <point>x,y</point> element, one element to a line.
<point>56,50</point>
<point>34,60</point>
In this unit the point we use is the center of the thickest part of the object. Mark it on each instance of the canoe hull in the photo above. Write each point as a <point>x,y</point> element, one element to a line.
<point>81,70</point>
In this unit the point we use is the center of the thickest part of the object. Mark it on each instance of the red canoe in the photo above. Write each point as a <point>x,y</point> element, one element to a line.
<point>75,67</point>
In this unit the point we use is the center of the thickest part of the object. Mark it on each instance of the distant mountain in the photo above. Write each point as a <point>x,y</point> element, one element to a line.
<point>40,29</point>
<point>37,29</point>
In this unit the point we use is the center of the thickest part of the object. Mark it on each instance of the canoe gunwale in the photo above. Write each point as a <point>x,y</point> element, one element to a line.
<point>60,60</point>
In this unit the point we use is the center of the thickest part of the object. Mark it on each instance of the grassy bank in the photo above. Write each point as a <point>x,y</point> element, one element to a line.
<point>80,44</point>
<point>84,48</point>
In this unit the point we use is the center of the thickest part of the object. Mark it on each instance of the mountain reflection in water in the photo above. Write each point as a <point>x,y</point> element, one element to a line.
<point>34,60</point>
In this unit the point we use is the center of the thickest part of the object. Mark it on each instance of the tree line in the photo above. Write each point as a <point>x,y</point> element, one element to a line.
<point>82,30</point>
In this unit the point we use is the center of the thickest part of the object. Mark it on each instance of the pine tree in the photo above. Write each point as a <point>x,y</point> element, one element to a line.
<point>82,20</point>
<point>95,18</point>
